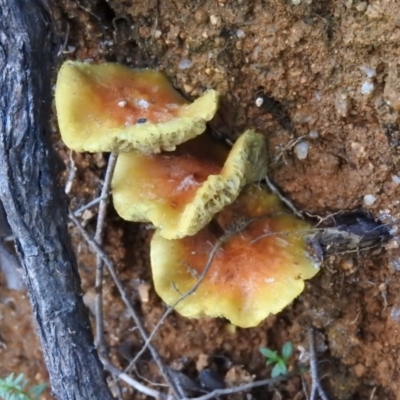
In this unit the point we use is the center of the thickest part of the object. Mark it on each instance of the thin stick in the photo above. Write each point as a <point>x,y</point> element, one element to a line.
<point>134,383</point>
<point>110,266</point>
<point>98,237</point>
<point>282,198</point>
<point>71,174</point>
<point>242,388</point>
<point>210,259</point>
<point>91,204</point>
<point>215,393</point>
<point>315,383</point>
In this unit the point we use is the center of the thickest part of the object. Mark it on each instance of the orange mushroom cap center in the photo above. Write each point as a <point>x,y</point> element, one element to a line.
<point>177,175</point>
<point>129,97</point>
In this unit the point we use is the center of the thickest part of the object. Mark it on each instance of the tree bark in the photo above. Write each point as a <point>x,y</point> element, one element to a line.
<point>35,204</point>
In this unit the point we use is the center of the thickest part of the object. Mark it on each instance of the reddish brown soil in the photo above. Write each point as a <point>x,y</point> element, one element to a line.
<point>329,67</point>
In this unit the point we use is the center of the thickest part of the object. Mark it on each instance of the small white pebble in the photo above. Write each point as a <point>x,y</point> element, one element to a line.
<point>396,179</point>
<point>185,64</point>
<point>370,72</point>
<point>301,150</point>
<point>240,34</point>
<point>369,199</point>
<point>213,19</point>
<point>361,7</point>
<point>313,134</point>
<point>259,101</point>
<point>69,49</point>
<point>342,103</point>
<point>296,2</point>
<point>367,88</point>
<point>122,103</point>
<point>157,34</point>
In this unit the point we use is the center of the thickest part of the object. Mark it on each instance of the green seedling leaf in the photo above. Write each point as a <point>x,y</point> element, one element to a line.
<point>37,390</point>
<point>14,389</point>
<point>287,350</point>
<point>279,369</point>
<point>271,355</point>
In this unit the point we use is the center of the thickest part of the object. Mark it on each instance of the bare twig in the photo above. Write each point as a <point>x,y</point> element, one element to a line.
<point>243,388</point>
<point>286,148</point>
<point>110,266</point>
<point>134,383</point>
<point>71,173</point>
<point>282,198</point>
<point>78,212</point>
<point>214,394</point>
<point>315,381</point>
<point>98,237</point>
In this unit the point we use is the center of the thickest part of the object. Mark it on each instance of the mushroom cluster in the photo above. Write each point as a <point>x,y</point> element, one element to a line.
<point>223,246</point>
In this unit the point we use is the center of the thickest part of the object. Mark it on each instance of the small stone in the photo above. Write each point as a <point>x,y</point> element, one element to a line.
<point>301,150</point>
<point>369,200</point>
<point>296,2</point>
<point>240,34</point>
<point>347,265</point>
<point>201,16</point>
<point>185,63</point>
<point>214,19</point>
<point>157,34</point>
<point>313,134</point>
<point>396,179</point>
<point>122,103</point>
<point>342,104</point>
<point>374,11</point>
<point>187,88</point>
<point>259,101</point>
<point>362,6</point>
<point>370,72</point>
<point>144,290</point>
<point>87,215</point>
<point>367,88</point>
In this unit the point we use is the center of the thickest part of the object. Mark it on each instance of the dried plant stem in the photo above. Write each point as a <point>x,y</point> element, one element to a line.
<point>71,173</point>
<point>110,266</point>
<point>98,237</point>
<point>282,198</point>
<point>78,212</point>
<point>243,388</point>
<point>212,395</point>
<point>316,387</point>
<point>135,384</point>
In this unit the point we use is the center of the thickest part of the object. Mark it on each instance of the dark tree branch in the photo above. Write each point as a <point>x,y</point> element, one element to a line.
<point>35,205</point>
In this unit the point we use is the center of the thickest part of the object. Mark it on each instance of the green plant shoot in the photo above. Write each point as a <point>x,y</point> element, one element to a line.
<point>15,388</point>
<point>279,361</point>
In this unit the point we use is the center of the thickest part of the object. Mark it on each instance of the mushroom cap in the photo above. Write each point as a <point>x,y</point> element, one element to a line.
<point>256,272</point>
<point>110,107</point>
<point>179,192</point>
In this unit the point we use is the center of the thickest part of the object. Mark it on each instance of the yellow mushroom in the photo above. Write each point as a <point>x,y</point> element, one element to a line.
<point>256,271</point>
<point>110,107</point>
<point>180,191</point>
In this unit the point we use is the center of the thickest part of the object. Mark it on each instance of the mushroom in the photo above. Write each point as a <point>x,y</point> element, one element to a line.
<point>110,107</point>
<point>259,264</point>
<point>180,191</point>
